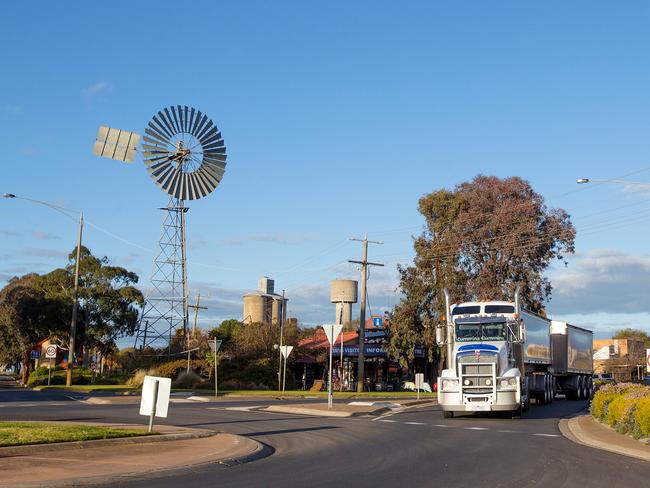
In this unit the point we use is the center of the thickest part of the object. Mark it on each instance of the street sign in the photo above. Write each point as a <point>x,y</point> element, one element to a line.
<point>161,393</point>
<point>35,354</point>
<point>215,345</point>
<point>378,321</point>
<point>647,360</point>
<point>332,331</point>
<point>286,351</point>
<point>419,381</point>
<point>50,352</point>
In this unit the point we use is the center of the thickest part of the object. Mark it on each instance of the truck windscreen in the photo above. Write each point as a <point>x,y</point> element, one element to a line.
<point>481,332</point>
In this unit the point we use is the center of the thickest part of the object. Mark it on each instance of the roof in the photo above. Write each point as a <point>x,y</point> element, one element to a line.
<point>319,339</point>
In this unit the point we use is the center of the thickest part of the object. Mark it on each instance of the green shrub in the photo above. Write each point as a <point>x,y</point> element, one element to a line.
<point>642,416</point>
<point>625,407</point>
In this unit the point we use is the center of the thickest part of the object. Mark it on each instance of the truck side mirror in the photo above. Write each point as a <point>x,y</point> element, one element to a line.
<point>439,335</point>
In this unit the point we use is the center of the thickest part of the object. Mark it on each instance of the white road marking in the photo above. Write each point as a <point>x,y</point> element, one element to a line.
<point>387,420</point>
<point>509,431</point>
<point>414,423</point>
<point>476,428</point>
<point>237,409</point>
<point>547,435</point>
<point>441,425</point>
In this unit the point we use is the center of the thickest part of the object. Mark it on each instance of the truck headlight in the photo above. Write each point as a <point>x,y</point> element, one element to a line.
<point>449,384</point>
<point>508,383</point>
<point>488,382</point>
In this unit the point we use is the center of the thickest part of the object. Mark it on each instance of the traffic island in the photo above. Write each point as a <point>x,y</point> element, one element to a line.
<point>352,409</point>
<point>113,460</point>
<point>587,431</point>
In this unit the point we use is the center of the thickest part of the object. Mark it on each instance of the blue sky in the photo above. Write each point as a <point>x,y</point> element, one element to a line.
<point>337,118</point>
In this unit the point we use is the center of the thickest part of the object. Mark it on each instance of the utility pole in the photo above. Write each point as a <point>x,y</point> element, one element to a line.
<point>188,344</point>
<point>282,318</point>
<point>362,318</point>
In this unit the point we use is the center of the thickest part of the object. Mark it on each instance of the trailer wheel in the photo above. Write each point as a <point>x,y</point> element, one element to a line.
<point>447,414</point>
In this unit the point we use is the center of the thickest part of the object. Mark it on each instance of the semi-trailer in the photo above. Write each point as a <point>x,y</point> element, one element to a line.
<point>501,357</point>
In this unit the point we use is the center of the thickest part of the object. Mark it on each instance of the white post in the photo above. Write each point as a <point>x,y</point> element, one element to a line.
<point>284,376</point>
<point>216,387</point>
<point>329,383</point>
<point>153,405</point>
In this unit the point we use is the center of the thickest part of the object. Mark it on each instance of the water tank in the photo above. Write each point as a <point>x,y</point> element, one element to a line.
<point>343,291</point>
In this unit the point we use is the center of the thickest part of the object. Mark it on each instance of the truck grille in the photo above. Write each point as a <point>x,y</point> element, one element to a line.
<point>477,371</point>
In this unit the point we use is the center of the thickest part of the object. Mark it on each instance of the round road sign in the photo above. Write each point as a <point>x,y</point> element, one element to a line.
<point>50,352</point>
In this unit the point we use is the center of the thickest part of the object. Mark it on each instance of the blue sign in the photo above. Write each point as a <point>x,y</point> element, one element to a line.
<point>35,354</point>
<point>371,350</point>
<point>378,321</point>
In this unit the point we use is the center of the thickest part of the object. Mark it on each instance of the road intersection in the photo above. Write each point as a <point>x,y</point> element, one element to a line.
<point>416,446</point>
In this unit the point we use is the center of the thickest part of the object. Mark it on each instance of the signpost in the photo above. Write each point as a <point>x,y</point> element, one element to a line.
<point>215,345</point>
<point>155,397</point>
<point>50,353</point>
<point>285,350</point>
<point>419,381</point>
<point>332,331</point>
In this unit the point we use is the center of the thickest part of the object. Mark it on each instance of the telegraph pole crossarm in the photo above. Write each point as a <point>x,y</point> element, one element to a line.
<point>362,315</point>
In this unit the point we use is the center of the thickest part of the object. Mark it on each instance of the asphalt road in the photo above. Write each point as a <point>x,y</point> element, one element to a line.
<point>414,448</point>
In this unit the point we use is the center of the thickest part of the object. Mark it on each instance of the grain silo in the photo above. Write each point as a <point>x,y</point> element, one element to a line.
<point>344,294</point>
<point>263,305</point>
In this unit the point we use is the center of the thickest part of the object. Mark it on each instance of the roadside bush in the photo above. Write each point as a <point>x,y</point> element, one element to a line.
<point>188,380</point>
<point>625,407</point>
<point>137,379</point>
<point>80,376</point>
<point>642,416</point>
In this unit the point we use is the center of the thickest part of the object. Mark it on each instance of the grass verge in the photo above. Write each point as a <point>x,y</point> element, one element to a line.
<point>113,388</point>
<point>23,433</point>
<point>319,394</point>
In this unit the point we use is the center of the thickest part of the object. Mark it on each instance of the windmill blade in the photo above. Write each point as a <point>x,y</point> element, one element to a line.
<point>117,144</point>
<point>196,165</point>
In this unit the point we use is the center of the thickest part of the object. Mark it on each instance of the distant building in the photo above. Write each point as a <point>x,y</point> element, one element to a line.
<point>624,358</point>
<point>264,305</point>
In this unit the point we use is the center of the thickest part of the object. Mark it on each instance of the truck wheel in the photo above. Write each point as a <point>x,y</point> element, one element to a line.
<point>581,388</point>
<point>447,414</point>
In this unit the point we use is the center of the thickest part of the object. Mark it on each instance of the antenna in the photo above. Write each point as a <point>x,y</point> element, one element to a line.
<point>185,155</point>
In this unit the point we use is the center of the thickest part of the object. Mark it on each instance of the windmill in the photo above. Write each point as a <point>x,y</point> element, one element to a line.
<point>185,155</point>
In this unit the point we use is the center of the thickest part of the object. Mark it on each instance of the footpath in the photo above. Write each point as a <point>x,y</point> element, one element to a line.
<point>587,431</point>
<point>113,460</point>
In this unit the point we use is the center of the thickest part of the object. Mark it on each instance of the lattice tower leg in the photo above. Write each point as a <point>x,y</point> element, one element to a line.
<point>166,309</point>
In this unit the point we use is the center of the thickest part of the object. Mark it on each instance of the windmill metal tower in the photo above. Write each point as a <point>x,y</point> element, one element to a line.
<point>185,155</point>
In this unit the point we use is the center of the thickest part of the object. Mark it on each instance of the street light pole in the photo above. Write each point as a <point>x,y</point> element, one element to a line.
<point>75,306</point>
<point>582,181</point>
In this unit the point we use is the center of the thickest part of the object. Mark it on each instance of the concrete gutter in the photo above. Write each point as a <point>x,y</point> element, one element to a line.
<point>586,430</point>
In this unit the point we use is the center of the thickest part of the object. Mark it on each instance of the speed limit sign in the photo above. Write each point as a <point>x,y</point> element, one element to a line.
<point>647,359</point>
<point>50,352</point>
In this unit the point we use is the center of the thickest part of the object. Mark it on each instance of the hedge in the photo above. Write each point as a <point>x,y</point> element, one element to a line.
<point>625,407</point>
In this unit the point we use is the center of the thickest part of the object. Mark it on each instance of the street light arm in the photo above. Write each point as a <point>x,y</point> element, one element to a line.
<point>582,181</point>
<point>59,208</point>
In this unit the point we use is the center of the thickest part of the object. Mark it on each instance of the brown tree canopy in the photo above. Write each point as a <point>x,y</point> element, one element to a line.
<point>480,241</point>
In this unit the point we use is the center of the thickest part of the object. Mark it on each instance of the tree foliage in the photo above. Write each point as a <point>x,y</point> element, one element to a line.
<point>635,334</point>
<point>480,241</point>
<point>35,307</point>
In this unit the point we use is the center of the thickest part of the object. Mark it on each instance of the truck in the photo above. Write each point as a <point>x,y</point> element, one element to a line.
<point>501,357</point>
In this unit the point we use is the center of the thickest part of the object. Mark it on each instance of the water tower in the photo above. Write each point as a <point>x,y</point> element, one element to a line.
<point>344,294</point>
